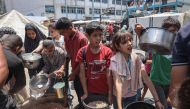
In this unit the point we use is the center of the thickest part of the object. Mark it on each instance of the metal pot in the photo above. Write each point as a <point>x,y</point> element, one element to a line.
<point>158,39</point>
<point>140,105</point>
<point>93,98</point>
<point>31,60</point>
<point>38,85</point>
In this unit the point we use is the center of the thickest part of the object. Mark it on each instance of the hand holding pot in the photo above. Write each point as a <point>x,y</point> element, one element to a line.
<point>72,77</point>
<point>84,96</point>
<point>58,73</point>
<point>159,105</point>
<point>138,29</point>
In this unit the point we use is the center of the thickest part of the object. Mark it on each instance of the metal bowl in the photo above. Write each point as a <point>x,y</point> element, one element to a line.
<point>94,98</point>
<point>140,105</point>
<point>158,39</point>
<point>38,85</point>
<point>31,60</point>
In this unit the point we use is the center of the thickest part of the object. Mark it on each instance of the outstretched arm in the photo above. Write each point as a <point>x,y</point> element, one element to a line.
<point>3,67</point>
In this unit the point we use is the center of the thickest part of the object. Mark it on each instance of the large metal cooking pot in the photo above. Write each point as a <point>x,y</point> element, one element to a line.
<point>140,105</point>
<point>31,60</point>
<point>158,39</point>
<point>95,99</point>
<point>38,85</point>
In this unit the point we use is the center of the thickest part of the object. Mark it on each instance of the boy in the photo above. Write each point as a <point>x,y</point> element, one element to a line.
<point>54,60</point>
<point>94,60</point>
<point>161,64</point>
<point>74,40</point>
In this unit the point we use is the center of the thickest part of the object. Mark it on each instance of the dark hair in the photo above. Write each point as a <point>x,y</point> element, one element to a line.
<point>92,26</point>
<point>171,22</point>
<point>63,23</point>
<point>184,95</point>
<point>120,37</point>
<point>11,41</point>
<point>6,30</point>
<point>47,43</point>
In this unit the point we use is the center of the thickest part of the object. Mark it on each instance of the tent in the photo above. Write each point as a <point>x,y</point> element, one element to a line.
<point>17,21</point>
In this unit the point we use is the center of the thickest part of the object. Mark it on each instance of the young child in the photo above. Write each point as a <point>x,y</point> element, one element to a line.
<point>94,60</point>
<point>128,72</point>
<point>57,38</point>
<point>161,64</point>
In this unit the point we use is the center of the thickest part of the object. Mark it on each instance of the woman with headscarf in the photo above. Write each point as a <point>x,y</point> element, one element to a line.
<point>33,36</point>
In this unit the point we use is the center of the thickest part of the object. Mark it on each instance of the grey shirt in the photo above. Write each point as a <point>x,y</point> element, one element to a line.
<point>55,61</point>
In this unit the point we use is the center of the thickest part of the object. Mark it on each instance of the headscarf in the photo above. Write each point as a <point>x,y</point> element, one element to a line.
<point>30,44</point>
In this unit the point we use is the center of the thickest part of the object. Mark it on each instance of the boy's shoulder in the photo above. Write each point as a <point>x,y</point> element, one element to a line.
<point>81,35</point>
<point>105,48</point>
<point>59,50</point>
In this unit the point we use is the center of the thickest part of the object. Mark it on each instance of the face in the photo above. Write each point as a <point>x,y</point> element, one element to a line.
<point>126,46</point>
<point>31,34</point>
<point>65,32</point>
<point>95,38</point>
<point>53,33</point>
<point>49,51</point>
<point>172,29</point>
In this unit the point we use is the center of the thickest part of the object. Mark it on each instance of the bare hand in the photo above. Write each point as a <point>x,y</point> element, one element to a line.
<point>159,105</point>
<point>72,77</point>
<point>59,73</point>
<point>84,96</point>
<point>138,29</point>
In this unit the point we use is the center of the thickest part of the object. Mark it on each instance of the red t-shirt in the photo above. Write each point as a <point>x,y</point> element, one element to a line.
<point>73,44</point>
<point>97,64</point>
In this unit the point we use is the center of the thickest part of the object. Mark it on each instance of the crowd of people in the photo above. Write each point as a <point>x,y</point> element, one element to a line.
<point>114,71</point>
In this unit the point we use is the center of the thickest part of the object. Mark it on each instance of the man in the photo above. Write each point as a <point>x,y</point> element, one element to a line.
<point>180,59</point>
<point>54,63</point>
<point>54,60</point>
<point>12,45</point>
<point>74,40</point>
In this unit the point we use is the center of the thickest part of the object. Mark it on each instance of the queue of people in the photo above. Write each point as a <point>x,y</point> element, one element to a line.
<point>115,72</point>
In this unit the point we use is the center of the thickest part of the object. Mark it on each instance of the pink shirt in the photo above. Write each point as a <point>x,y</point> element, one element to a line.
<point>129,86</point>
<point>73,44</point>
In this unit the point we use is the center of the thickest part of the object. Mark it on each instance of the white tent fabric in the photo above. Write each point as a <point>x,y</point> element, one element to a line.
<point>17,21</point>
